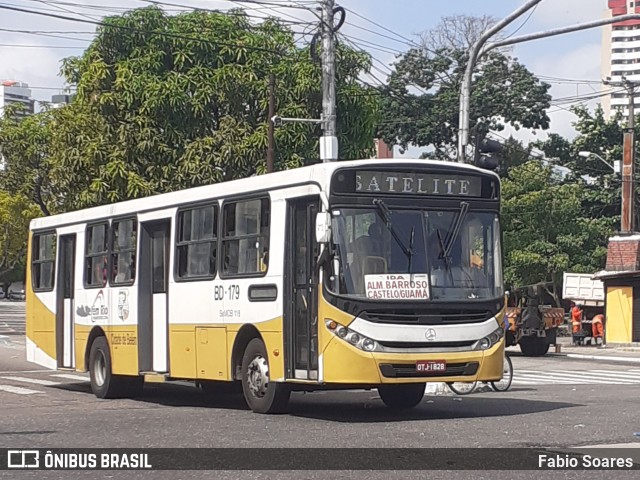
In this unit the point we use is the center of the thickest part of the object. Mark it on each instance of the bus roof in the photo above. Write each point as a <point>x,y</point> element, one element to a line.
<point>319,173</point>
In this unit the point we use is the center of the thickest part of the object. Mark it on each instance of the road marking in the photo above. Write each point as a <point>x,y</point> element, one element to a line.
<point>71,377</point>
<point>18,390</point>
<point>541,378</point>
<point>182,383</point>
<point>590,375</point>
<point>604,358</point>
<point>37,381</point>
<point>24,371</point>
<point>630,375</point>
<point>587,377</point>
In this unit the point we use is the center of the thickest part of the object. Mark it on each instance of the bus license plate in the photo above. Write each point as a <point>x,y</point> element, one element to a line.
<point>431,366</point>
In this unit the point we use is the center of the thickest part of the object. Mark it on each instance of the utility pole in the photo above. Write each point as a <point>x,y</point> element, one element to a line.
<point>478,50</point>
<point>465,89</point>
<point>270,131</point>
<point>627,214</point>
<point>329,139</point>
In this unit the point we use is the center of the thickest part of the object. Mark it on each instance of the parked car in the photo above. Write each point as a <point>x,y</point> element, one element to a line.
<point>17,295</point>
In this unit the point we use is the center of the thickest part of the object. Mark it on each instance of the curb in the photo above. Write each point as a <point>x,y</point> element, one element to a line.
<point>579,356</point>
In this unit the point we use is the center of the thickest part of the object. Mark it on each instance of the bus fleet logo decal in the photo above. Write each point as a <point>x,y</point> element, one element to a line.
<point>98,310</point>
<point>123,305</point>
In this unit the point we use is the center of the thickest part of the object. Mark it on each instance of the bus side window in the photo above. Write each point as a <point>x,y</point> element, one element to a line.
<point>123,251</point>
<point>43,258</point>
<point>245,237</point>
<point>97,255</point>
<point>197,242</point>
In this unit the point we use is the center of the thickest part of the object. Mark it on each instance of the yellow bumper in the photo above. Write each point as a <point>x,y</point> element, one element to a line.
<point>344,363</point>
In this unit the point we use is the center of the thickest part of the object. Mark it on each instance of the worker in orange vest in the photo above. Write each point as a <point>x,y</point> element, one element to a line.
<point>597,328</point>
<point>576,319</point>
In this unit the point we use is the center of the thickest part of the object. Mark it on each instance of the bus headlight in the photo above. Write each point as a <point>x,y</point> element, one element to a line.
<point>368,344</point>
<point>354,338</point>
<point>490,340</point>
<point>342,331</point>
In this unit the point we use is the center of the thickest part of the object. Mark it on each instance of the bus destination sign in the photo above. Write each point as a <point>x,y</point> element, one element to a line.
<point>418,184</point>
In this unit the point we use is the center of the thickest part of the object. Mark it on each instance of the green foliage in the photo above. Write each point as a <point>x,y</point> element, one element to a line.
<point>16,211</point>
<point>596,134</point>
<point>171,102</point>
<point>421,106</point>
<point>25,149</point>
<point>544,231</point>
<point>513,154</point>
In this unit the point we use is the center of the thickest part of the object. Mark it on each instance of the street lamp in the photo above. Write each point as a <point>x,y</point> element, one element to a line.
<point>615,167</point>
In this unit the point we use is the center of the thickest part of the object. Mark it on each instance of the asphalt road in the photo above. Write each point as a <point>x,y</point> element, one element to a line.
<point>11,317</point>
<point>555,402</point>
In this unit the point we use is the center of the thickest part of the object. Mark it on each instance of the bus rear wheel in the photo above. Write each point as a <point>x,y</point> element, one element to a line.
<point>261,394</point>
<point>105,384</point>
<point>406,395</point>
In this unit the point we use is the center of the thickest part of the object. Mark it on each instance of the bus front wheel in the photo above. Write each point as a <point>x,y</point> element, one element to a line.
<point>406,395</point>
<point>261,394</point>
<point>105,384</point>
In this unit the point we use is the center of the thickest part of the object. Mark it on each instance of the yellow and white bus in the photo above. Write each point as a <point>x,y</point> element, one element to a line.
<point>359,274</point>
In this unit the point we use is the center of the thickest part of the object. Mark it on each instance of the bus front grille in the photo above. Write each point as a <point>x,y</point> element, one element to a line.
<point>426,344</point>
<point>407,370</point>
<point>431,318</point>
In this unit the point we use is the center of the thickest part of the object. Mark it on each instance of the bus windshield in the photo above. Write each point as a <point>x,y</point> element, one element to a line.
<point>384,253</point>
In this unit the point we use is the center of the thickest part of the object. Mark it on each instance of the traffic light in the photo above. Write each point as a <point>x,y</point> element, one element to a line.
<point>485,154</point>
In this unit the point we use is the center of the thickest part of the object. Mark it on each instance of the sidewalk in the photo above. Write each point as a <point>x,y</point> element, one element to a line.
<point>595,352</point>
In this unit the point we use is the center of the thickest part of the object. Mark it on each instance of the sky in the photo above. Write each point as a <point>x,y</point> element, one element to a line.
<point>571,59</point>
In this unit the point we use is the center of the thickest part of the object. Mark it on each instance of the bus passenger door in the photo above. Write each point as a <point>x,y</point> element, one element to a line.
<point>300,299</point>
<point>153,342</point>
<point>65,309</point>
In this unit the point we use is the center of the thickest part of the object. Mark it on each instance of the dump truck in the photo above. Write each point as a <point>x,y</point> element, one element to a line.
<point>532,325</point>
<point>583,290</point>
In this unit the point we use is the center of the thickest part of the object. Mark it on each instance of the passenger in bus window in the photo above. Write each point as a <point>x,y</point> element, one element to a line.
<point>264,260</point>
<point>100,270</point>
<point>122,270</point>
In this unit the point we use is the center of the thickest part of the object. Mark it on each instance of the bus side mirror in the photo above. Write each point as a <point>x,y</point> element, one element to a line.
<point>323,227</point>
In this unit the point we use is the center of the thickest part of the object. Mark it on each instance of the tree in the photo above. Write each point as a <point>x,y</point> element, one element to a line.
<point>604,137</point>
<point>26,157</point>
<point>26,189</point>
<point>170,102</point>
<point>16,211</point>
<point>512,154</point>
<point>421,105</point>
<point>544,231</point>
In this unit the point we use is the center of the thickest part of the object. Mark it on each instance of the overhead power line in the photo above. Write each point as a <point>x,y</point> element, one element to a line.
<point>382,27</point>
<point>138,30</point>
<point>65,47</point>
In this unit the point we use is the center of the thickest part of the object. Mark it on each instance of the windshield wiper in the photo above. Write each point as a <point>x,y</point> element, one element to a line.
<point>464,208</point>
<point>385,214</point>
<point>443,255</point>
<point>411,239</point>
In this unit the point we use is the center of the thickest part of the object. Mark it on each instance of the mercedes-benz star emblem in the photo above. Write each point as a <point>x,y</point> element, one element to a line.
<point>430,334</point>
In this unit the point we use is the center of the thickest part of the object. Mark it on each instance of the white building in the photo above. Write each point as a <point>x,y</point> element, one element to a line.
<point>15,92</point>
<point>621,55</point>
<point>60,100</point>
